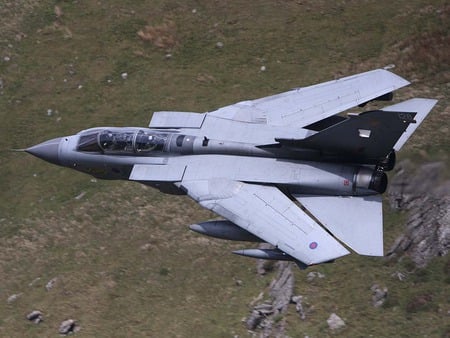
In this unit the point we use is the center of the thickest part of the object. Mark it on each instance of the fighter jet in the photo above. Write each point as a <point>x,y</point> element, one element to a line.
<point>291,169</point>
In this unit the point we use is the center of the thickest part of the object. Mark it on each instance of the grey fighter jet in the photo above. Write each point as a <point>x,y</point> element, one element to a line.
<point>287,169</point>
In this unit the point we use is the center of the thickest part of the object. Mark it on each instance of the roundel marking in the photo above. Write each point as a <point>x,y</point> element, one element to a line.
<point>313,245</point>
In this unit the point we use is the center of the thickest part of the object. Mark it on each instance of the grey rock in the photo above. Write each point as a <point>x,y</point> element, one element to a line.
<point>426,196</point>
<point>80,195</point>
<point>265,314</point>
<point>379,295</point>
<point>335,322</point>
<point>51,283</point>
<point>254,320</point>
<point>13,297</point>
<point>68,326</point>
<point>399,275</point>
<point>35,316</point>
<point>282,288</point>
<point>259,313</point>
<point>313,275</point>
<point>297,300</point>
<point>34,281</point>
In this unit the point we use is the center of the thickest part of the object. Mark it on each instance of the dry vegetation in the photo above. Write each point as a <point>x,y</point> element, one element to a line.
<point>428,52</point>
<point>12,13</point>
<point>162,36</point>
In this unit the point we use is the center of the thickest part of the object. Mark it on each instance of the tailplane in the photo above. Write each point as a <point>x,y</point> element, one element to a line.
<point>421,107</point>
<point>357,221</point>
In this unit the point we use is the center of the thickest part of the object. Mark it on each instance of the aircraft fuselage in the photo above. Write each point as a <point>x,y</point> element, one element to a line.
<point>112,153</point>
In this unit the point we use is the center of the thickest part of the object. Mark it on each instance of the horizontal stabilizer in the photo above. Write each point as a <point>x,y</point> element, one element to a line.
<point>421,107</point>
<point>368,136</point>
<point>355,220</point>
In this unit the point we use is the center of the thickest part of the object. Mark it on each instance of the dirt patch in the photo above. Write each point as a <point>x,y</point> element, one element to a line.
<point>162,36</point>
<point>430,50</point>
<point>12,14</point>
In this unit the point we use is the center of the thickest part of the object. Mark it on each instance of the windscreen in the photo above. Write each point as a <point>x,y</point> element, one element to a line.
<point>122,141</point>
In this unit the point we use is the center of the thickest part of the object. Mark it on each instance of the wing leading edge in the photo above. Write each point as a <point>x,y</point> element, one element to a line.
<point>298,108</point>
<point>304,106</point>
<point>268,214</point>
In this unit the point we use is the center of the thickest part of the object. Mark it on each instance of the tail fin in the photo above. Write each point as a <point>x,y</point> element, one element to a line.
<point>370,135</point>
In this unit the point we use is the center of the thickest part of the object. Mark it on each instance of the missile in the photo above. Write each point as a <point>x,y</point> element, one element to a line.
<point>270,254</point>
<point>224,230</point>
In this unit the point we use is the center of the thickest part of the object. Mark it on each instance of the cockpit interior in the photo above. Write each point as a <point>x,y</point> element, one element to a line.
<point>120,141</point>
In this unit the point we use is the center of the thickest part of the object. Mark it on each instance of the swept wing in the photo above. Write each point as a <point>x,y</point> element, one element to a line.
<point>268,214</point>
<point>262,120</point>
<point>304,106</point>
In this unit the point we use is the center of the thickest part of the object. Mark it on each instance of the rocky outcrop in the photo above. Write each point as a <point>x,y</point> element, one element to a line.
<point>425,194</point>
<point>266,314</point>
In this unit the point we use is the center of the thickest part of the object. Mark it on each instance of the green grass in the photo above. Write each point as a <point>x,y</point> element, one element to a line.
<point>125,261</point>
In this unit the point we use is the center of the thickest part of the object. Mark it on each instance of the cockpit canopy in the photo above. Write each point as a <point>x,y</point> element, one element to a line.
<point>122,141</point>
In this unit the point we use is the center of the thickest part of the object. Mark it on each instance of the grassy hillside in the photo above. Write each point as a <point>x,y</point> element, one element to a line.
<point>124,260</point>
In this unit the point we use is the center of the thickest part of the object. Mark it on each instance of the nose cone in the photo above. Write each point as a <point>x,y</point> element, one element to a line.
<point>47,151</point>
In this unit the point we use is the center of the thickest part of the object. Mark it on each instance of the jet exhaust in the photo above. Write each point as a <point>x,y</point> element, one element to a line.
<point>378,182</point>
<point>375,180</point>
